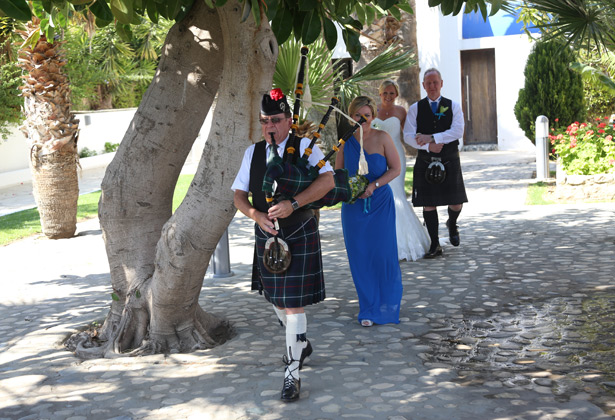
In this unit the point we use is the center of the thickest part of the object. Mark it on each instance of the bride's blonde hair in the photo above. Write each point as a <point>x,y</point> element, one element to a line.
<point>386,84</point>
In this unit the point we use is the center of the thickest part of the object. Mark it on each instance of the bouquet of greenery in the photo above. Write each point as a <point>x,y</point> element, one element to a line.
<point>585,148</point>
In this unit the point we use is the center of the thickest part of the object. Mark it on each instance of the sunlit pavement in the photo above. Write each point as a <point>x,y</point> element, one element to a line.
<point>515,323</point>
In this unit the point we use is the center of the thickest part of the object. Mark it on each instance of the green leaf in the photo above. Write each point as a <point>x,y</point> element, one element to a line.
<point>396,13</point>
<point>360,11</point>
<point>32,40</point>
<point>102,12</point>
<point>122,10</point>
<point>39,11</point>
<point>298,19</point>
<point>271,8</point>
<point>281,25</point>
<point>47,27</point>
<point>307,5</point>
<point>386,4</point>
<point>330,33</point>
<point>17,9</point>
<point>458,7</point>
<point>47,5</point>
<point>353,45</point>
<point>138,294</point>
<point>405,7</point>
<point>342,5</point>
<point>123,31</point>
<point>256,12</point>
<point>483,10</point>
<point>152,11</point>
<point>115,297</point>
<point>311,28</point>
<point>78,2</point>
<point>58,18</point>
<point>370,14</point>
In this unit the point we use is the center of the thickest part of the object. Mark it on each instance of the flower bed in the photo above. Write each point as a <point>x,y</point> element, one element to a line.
<point>585,160</point>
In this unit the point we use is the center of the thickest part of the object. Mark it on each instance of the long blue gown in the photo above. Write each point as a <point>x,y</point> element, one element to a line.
<point>371,243</point>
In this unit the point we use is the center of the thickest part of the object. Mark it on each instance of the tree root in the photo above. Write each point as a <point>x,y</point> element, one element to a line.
<point>205,331</point>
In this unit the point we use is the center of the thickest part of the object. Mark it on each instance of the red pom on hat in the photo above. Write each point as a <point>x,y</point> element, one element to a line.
<point>276,94</point>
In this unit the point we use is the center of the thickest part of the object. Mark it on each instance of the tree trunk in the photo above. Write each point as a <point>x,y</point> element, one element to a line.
<point>56,190</point>
<point>158,264</point>
<point>51,131</point>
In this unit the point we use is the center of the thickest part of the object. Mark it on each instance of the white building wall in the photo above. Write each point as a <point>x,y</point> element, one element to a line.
<point>440,41</point>
<point>95,129</point>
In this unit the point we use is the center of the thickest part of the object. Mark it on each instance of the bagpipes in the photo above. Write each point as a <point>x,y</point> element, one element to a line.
<point>293,174</point>
<point>286,177</point>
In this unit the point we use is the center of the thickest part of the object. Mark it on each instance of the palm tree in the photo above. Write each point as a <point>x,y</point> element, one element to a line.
<point>51,131</point>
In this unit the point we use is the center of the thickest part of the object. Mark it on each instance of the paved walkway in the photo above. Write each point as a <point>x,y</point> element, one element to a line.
<point>516,323</point>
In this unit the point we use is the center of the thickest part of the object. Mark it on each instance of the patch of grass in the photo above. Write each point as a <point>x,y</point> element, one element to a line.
<point>25,223</point>
<point>537,194</point>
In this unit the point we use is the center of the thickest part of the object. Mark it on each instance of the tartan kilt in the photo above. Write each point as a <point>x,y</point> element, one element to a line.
<point>450,191</point>
<point>303,283</point>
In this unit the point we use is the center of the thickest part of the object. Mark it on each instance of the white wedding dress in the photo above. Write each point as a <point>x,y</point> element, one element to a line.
<point>412,238</point>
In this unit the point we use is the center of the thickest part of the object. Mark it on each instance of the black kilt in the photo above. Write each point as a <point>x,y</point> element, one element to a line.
<point>303,283</point>
<point>450,192</point>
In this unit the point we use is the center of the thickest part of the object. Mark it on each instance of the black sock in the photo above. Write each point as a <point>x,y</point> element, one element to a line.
<point>431,221</point>
<point>452,216</point>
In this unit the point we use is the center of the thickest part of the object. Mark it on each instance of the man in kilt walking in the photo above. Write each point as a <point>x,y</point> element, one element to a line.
<point>302,283</point>
<point>434,126</point>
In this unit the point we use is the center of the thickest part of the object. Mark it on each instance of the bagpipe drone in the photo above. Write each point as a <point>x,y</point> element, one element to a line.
<point>293,174</point>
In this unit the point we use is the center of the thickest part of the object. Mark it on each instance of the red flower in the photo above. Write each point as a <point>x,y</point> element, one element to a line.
<point>602,125</point>
<point>601,131</point>
<point>557,119</point>
<point>276,94</point>
<point>553,151</point>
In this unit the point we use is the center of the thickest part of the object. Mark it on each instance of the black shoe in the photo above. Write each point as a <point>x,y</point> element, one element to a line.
<point>453,234</point>
<point>434,252</point>
<point>291,389</point>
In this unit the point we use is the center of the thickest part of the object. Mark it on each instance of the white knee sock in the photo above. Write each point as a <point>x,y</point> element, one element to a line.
<point>281,313</point>
<point>296,341</point>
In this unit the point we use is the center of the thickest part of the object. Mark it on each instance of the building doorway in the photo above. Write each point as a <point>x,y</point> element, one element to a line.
<point>479,99</point>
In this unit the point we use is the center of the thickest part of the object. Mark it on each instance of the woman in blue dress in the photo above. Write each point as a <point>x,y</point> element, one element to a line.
<point>369,223</point>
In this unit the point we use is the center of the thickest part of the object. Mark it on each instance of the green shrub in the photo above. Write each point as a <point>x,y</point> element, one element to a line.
<point>85,152</point>
<point>111,147</point>
<point>551,88</point>
<point>10,101</point>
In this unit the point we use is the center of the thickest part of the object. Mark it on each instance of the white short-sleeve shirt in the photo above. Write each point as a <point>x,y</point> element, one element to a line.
<point>242,180</point>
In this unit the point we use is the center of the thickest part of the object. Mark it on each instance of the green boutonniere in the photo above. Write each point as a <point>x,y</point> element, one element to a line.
<point>440,114</point>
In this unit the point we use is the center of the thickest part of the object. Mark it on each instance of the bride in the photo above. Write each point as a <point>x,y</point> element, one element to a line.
<point>412,238</point>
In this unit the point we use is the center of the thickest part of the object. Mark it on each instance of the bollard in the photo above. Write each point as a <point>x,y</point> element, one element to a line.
<point>542,147</point>
<point>221,260</point>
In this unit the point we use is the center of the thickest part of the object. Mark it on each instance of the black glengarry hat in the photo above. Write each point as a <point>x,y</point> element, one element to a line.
<point>274,102</point>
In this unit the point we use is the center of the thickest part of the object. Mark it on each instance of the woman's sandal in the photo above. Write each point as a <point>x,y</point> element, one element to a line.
<point>367,323</point>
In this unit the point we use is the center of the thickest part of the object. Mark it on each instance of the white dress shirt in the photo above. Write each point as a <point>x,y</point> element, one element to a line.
<point>448,136</point>
<point>242,180</point>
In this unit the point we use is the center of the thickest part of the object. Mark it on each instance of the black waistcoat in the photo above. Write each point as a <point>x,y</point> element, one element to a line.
<point>258,166</point>
<point>429,123</point>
